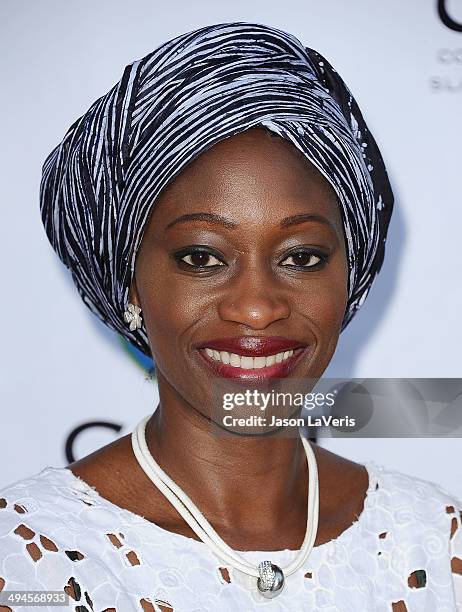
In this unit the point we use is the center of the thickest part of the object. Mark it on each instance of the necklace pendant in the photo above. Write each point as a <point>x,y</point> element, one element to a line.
<point>271,579</point>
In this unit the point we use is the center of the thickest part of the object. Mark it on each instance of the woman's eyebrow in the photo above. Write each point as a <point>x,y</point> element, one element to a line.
<point>203,216</point>
<point>219,220</point>
<point>295,219</point>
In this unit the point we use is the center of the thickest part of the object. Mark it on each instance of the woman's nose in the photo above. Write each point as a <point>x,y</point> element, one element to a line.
<point>255,302</point>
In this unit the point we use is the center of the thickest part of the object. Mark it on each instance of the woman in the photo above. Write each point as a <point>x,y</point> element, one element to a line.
<point>272,206</point>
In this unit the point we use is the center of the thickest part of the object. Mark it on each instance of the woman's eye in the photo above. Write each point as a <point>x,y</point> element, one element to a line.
<point>305,259</point>
<point>200,259</point>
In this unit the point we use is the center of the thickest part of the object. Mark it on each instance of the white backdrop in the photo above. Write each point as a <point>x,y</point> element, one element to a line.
<point>60,368</point>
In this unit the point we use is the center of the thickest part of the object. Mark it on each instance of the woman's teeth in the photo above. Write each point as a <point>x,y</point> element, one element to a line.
<point>247,363</point>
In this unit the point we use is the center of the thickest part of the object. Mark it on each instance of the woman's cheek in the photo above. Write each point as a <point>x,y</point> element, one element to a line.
<point>323,310</point>
<point>172,310</point>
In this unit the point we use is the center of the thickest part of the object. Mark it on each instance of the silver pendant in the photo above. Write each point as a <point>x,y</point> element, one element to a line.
<point>271,579</point>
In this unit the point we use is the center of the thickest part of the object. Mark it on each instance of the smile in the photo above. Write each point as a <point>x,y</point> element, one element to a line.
<point>247,369</point>
<point>247,363</point>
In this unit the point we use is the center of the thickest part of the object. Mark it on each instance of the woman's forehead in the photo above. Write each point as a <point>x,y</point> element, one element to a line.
<point>248,175</point>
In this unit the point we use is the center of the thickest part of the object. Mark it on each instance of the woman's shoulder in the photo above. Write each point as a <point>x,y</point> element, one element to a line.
<point>39,519</point>
<point>57,533</point>
<point>52,489</point>
<point>49,498</point>
<point>56,510</point>
<point>413,511</point>
<point>398,489</point>
<point>392,496</point>
<point>44,512</point>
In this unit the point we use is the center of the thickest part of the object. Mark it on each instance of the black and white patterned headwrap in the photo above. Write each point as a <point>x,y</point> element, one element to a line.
<point>100,184</point>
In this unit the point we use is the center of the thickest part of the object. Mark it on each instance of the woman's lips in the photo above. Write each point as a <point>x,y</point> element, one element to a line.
<point>279,369</point>
<point>251,346</point>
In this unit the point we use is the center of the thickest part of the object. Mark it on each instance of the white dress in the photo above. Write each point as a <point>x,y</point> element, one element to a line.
<point>403,554</point>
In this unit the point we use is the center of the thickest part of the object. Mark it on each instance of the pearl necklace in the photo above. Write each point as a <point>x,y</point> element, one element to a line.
<point>270,577</point>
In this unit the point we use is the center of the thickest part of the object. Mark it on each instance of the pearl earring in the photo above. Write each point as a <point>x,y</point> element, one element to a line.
<point>132,316</point>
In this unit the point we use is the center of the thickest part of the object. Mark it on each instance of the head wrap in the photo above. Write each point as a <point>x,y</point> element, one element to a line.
<point>101,183</point>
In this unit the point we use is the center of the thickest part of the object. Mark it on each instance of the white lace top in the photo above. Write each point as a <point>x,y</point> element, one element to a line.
<point>403,554</point>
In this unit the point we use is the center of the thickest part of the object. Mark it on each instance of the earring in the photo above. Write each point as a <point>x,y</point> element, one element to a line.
<point>132,316</point>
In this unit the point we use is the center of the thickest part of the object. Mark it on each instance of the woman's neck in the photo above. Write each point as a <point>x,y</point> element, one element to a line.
<point>252,490</point>
<point>239,482</point>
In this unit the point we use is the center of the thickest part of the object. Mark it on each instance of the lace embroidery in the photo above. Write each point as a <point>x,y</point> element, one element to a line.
<point>403,554</point>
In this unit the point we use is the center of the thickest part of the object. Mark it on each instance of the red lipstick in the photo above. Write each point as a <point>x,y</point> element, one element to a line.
<point>223,355</point>
<point>252,346</point>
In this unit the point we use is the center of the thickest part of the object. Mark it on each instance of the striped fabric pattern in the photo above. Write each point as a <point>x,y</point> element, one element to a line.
<point>101,182</point>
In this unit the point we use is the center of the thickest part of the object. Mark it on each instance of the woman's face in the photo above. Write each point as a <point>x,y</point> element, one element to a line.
<point>246,268</point>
